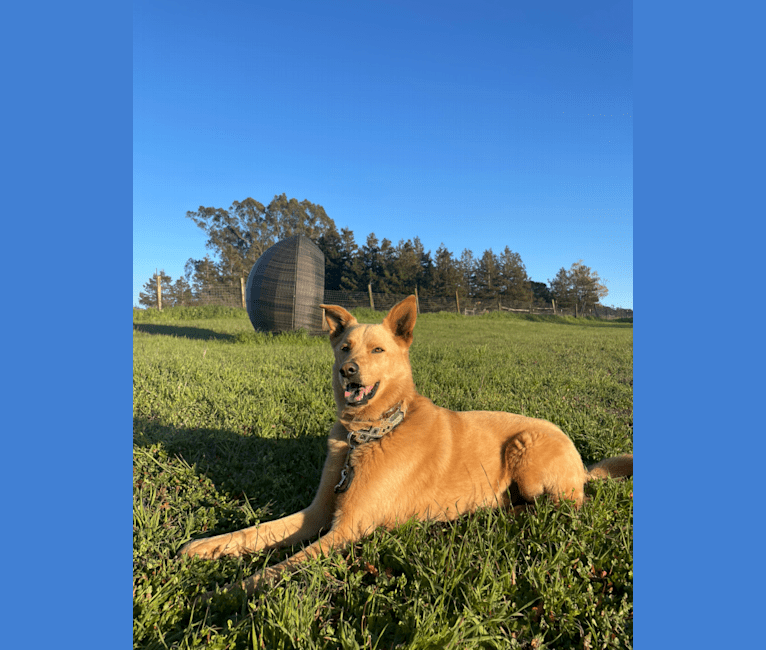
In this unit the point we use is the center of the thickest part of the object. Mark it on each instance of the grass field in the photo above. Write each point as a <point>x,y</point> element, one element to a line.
<point>229,430</point>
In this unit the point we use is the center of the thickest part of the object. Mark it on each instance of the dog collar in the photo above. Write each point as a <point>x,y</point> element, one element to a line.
<point>359,434</point>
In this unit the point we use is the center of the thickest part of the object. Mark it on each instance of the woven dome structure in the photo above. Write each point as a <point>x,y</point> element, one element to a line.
<point>286,286</point>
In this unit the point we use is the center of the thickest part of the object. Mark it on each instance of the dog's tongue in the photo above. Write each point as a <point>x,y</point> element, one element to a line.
<point>357,393</point>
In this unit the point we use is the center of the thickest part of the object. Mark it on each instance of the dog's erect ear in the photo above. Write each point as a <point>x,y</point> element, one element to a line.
<point>401,319</point>
<point>337,319</point>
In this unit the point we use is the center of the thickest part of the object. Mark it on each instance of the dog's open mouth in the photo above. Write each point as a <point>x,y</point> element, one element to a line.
<point>356,394</point>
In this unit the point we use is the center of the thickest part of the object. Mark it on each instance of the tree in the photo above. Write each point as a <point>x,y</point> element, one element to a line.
<point>409,267</point>
<point>388,258</point>
<point>445,279</point>
<point>587,286</point>
<point>561,289</point>
<point>372,262</point>
<point>513,281</point>
<point>487,276</point>
<point>466,268</point>
<point>579,288</point>
<point>405,268</point>
<point>288,217</point>
<point>426,266</point>
<point>240,235</point>
<point>352,269</point>
<point>202,274</point>
<point>148,297</point>
<point>179,294</point>
<point>540,291</point>
<point>330,244</point>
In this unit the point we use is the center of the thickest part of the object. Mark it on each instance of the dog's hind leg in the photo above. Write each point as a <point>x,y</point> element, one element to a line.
<point>545,463</point>
<point>287,530</point>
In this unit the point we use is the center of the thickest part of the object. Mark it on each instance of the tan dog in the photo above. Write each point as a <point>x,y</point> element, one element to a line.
<point>393,455</point>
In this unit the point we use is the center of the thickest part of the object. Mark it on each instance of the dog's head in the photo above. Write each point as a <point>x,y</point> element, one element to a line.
<point>372,362</point>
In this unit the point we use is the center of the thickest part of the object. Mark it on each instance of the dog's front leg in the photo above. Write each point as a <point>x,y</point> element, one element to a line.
<point>345,530</point>
<point>287,530</point>
<point>338,537</point>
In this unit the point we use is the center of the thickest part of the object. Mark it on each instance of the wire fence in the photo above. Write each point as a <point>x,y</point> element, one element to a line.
<point>465,306</point>
<point>234,296</point>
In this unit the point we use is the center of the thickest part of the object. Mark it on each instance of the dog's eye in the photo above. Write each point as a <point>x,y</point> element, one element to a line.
<point>378,350</point>
<point>345,347</point>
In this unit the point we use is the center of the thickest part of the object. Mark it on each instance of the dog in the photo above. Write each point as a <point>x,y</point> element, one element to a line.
<point>393,455</point>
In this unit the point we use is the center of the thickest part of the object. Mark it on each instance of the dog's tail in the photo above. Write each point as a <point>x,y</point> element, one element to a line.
<point>612,467</point>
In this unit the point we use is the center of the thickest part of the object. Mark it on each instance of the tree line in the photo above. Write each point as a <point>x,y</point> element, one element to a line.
<point>238,236</point>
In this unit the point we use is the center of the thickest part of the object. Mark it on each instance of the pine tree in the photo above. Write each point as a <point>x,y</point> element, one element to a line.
<point>445,275</point>
<point>352,268</point>
<point>540,292</point>
<point>424,276</point>
<point>513,281</point>
<point>487,277</point>
<point>466,268</point>
<point>179,293</point>
<point>330,244</point>
<point>203,275</point>
<point>372,262</point>
<point>388,259</point>
<point>148,297</point>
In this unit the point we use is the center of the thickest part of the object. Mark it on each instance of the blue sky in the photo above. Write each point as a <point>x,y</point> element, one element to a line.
<point>478,125</point>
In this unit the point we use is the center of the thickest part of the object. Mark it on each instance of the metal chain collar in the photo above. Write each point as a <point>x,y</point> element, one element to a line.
<point>357,436</point>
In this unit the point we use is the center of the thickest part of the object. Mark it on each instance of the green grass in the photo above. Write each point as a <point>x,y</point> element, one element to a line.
<point>229,430</point>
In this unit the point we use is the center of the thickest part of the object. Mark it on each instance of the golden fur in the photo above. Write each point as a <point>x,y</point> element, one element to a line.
<point>436,464</point>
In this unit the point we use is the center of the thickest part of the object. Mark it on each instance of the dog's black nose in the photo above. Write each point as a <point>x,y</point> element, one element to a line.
<point>349,370</point>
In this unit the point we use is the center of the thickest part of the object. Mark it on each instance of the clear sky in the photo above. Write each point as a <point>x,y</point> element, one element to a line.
<point>477,125</point>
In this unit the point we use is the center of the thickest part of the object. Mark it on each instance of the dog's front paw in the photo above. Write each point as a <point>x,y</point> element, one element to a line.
<point>212,548</point>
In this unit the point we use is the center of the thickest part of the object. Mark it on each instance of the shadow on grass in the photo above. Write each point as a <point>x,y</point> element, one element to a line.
<point>186,332</point>
<point>247,336</point>
<point>279,472</point>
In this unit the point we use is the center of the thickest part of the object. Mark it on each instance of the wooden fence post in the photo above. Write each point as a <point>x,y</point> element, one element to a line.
<point>242,290</point>
<point>553,302</point>
<point>159,291</point>
<point>369,290</point>
<point>457,301</point>
<point>417,300</point>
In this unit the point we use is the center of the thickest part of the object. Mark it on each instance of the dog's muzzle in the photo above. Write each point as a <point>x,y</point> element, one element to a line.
<point>357,394</point>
